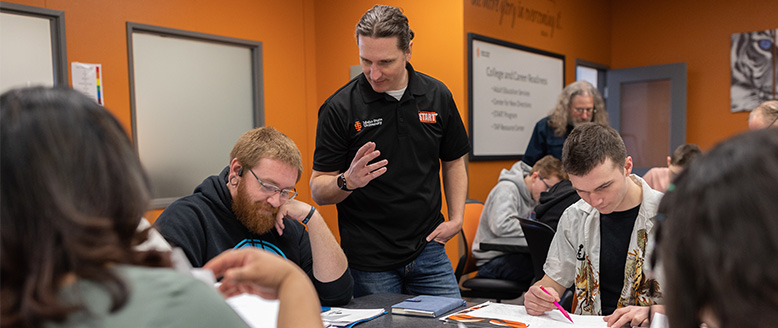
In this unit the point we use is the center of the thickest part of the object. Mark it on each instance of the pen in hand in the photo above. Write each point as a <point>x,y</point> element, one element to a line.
<point>558,306</point>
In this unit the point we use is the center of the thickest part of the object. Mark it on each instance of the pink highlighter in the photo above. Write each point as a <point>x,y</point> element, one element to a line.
<point>558,306</point>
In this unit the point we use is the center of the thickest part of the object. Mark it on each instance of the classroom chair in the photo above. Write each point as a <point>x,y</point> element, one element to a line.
<point>496,289</point>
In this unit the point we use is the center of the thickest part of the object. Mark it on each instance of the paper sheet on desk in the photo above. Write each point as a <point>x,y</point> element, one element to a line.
<point>550,319</point>
<point>341,317</point>
<point>256,311</point>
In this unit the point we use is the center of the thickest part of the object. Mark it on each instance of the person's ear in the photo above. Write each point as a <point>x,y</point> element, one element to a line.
<point>236,167</point>
<point>669,160</point>
<point>628,166</point>
<point>409,52</point>
<point>534,176</point>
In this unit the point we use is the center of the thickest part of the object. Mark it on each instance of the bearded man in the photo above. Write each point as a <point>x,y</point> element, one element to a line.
<point>251,204</point>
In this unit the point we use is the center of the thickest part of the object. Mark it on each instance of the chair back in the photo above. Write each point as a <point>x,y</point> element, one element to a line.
<point>538,236</point>
<point>479,287</point>
<point>473,208</point>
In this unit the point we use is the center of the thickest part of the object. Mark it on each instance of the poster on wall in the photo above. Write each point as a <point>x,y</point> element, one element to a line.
<point>511,87</point>
<point>753,63</point>
<point>87,79</point>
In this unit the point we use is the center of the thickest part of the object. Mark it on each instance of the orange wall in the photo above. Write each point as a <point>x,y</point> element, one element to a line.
<point>698,33</point>
<point>96,33</point>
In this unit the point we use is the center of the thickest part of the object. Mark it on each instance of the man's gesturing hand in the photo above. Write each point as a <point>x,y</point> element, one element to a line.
<point>360,173</point>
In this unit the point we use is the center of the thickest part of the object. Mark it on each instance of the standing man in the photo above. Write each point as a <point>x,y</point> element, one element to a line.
<point>601,240</point>
<point>380,144</point>
<point>580,102</point>
<point>251,204</point>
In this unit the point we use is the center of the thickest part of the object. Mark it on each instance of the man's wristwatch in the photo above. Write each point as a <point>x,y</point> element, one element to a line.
<point>342,182</point>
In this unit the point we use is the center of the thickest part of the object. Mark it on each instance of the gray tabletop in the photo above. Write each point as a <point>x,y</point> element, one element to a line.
<point>386,301</point>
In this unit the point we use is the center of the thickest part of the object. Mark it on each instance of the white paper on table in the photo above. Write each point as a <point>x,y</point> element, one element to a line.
<point>339,317</point>
<point>256,311</point>
<point>551,319</point>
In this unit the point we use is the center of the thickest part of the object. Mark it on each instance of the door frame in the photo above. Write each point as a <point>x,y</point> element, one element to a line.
<point>675,72</point>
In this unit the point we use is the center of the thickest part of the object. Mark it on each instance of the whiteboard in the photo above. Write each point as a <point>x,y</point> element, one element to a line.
<point>31,50</point>
<point>193,96</point>
<point>511,88</point>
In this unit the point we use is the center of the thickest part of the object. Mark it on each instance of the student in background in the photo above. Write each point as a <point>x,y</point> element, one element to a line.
<point>515,195</point>
<point>579,102</point>
<point>763,116</point>
<point>660,177</point>
<point>601,240</point>
<point>554,202</point>
<point>720,236</point>
<point>72,198</point>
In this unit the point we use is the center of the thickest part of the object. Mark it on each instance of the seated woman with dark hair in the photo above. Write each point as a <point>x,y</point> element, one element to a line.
<point>720,236</point>
<point>73,195</point>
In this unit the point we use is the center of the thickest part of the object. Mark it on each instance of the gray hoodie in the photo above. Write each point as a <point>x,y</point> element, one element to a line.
<point>509,200</point>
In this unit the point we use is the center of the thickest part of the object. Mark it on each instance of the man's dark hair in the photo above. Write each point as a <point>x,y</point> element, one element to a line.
<point>589,145</point>
<point>684,154</point>
<point>720,235</point>
<point>384,22</point>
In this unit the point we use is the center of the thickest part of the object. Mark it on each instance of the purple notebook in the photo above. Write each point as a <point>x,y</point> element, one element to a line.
<point>427,305</point>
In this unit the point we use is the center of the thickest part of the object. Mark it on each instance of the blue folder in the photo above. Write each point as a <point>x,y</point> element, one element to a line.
<point>427,305</point>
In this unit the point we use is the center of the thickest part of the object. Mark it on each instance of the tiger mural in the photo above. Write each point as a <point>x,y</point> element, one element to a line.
<point>752,61</point>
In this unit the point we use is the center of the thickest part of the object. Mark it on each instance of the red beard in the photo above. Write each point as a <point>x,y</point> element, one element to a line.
<point>259,217</point>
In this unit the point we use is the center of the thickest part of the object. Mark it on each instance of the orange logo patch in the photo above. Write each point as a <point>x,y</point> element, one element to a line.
<point>428,117</point>
<point>358,126</point>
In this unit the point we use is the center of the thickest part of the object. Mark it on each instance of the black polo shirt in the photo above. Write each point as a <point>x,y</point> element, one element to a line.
<point>384,225</point>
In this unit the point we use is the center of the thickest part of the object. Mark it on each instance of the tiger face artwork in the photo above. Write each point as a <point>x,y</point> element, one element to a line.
<point>753,64</point>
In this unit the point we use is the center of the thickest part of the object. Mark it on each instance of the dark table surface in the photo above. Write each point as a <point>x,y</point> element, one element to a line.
<point>386,301</point>
<point>509,245</point>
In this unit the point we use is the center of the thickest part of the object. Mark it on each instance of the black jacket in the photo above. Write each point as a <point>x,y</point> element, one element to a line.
<point>203,225</point>
<point>554,202</point>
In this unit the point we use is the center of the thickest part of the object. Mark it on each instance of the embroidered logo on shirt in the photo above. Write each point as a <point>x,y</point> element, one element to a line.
<point>428,117</point>
<point>368,123</point>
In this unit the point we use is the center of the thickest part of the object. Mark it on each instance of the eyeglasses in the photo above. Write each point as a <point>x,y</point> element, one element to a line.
<point>771,124</point>
<point>286,194</point>
<point>585,110</point>
<point>544,182</point>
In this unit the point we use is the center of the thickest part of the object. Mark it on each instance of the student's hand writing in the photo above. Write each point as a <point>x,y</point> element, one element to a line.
<point>537,302</point>
<point>360,173</point>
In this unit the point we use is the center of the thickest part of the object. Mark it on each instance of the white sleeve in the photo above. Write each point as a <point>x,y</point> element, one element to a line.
<point>561,260</point>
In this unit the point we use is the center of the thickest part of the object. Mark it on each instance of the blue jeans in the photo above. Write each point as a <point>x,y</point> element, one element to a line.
<point>429,274</point>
